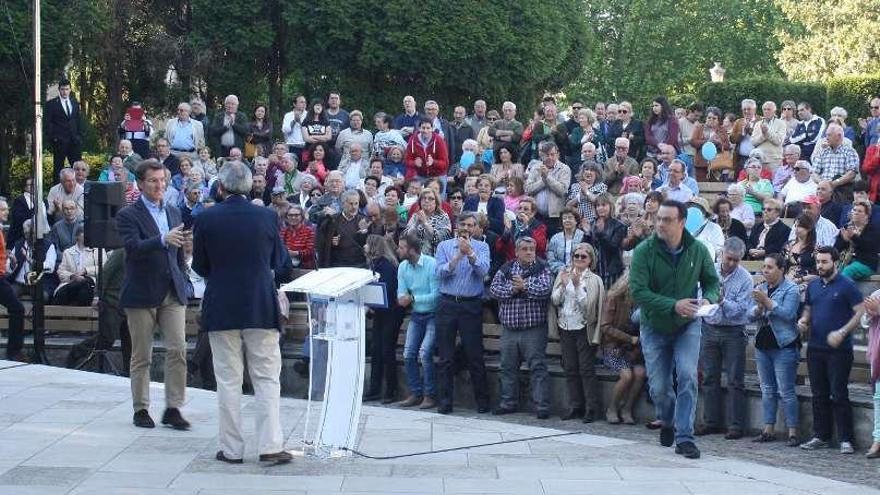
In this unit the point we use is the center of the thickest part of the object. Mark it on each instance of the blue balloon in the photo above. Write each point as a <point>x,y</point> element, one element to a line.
<point>467,159</point>
<point>489,156</point>
<point>709,151</point>
<point>695,219</point>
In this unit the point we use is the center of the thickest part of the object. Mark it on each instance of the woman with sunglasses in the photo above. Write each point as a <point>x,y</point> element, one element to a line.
<point>630,128</point>
<point>578,296</point>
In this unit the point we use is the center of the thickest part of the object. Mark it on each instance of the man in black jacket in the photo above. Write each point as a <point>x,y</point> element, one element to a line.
<point>770,236</point>
<point>64,126</point>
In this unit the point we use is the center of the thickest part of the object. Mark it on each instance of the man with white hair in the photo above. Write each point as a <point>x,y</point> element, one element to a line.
<point>441,126</point>
<point>185,134</point>
<point>66,189</point>
<point>741,134</point>
<point>768,135</point>
<point>837,163</point>
<point>130,159</point>
<point>507,129</point>
<point>478,119</point>
<point>241,315</point>
<point>462,129</point>
<point>619,165</point>
<point>353,134</point>
<point>798,187</point>
<point>229,127</point>
<point>407,121</point>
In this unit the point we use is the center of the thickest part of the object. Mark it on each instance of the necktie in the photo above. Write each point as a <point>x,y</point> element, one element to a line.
<point>67,107</point>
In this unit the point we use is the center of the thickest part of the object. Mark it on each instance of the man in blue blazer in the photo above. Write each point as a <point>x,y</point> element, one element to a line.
<point>154,293</point>
<point>237,248</point>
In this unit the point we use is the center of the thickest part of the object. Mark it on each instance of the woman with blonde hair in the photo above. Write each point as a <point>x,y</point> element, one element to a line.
<point>429,223</point>
<point>578,295</point>
<point>622,352</point>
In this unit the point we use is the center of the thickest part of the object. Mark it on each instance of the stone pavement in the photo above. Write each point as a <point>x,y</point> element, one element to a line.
<point>68,432</point>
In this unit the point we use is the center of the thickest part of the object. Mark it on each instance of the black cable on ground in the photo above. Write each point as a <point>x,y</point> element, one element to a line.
<point>465,447</point>
<point>14,366</point>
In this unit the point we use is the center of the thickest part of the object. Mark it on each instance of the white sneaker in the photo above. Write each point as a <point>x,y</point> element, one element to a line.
<point>846,448</point>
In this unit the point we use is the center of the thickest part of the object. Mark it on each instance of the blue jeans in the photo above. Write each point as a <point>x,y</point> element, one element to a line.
<point>678,350</point>
<point>420,335</point>
<point>777,370</point>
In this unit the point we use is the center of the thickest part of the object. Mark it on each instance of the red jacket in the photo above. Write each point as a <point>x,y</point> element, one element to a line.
<point>871,168</point>
<point>436,148</point>
<point>506,244</point>
<point>302,240</point>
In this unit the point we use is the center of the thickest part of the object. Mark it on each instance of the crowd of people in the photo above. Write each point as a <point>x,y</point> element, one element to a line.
<point>586,226</point>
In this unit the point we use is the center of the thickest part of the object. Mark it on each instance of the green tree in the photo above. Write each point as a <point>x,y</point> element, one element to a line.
<point>829,38</point>
<point>651,47</point>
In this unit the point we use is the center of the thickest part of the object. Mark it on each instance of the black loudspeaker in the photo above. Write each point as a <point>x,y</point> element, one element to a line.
<point>102,201</point>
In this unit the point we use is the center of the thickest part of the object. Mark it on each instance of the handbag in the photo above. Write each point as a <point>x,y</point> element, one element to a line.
<point>250,149</point>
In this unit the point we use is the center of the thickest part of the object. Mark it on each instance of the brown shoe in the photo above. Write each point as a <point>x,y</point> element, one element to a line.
<point>412,400</point>
<point>428,403</point>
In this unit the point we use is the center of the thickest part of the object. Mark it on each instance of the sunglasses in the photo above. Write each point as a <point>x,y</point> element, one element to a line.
<point>453,198</point>
<point>874,108</point>
<point>576,109</point>
<point>492,119</point>
<point>787,108</point>
<point>581,256</point>
<point>623,111</point>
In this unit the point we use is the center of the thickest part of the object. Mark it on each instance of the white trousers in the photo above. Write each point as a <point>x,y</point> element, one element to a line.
<point>264,367</point>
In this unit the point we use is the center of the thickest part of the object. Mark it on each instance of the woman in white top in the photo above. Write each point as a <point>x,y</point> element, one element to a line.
<point>578,295</point>
<point>77,273</point>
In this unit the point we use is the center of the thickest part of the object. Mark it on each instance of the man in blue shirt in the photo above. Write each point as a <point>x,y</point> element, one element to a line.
<point>723,346</point>
<point>832,310</point>
<point>462,265</point>
<point>417,287</point>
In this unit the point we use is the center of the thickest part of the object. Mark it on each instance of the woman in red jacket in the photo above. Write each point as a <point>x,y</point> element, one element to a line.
<point>298,238</point>
<point>426,154</point>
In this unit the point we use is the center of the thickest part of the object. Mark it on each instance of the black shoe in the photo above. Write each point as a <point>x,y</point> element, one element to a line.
<point>372,397</point>
<point>172,418</point>
<point>589,417</point>
<point>543,415</point>
<point>501,411</point>
<point>688,449</point>
<point>573,414</point>
<point>446,409</point>
<point>302,367</point>
<point>277,458</point>
<point>483,409</point>
<point>142,419</point>
<point>703,430</point>
<point>667,436</point>
<point>389,399</point>
<point>222,457</point>
<point>733,435</point>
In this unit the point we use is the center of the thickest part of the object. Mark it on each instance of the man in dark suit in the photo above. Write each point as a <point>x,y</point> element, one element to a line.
<point>229,128</point>
<point>237,248</point>
<point>154,293</point>
<point>770,236</point>
<point>64,124</point>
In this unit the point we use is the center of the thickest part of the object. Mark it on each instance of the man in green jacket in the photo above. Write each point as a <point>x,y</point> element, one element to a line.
<point>671,277</point>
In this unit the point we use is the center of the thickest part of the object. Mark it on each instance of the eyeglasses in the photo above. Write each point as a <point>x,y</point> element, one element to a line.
<point>580,256</point>
<point>576,109</point>
<point>492,119</point>
<point>293,215</point>
<point>787,108</point>
<point>623,110</point>
<point>622,148</point>
<point>874,107</point>
<point>798,169</point>
<point>456,197</point>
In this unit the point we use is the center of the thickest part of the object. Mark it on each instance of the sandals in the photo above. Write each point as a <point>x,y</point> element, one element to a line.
<point>765,437</point>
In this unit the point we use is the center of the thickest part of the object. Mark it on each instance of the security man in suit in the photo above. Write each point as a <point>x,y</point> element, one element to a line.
<point>154,292</point>
<point>64,125</point>
<point>237,248</point>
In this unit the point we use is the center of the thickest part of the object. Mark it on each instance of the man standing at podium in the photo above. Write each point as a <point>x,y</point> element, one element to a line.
<point>462,264</point>
<point>237,248</point>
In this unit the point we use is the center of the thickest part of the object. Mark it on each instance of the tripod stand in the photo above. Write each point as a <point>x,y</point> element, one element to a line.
<point>101,349</point>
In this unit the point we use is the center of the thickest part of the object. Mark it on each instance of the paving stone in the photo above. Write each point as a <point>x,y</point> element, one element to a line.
<point>44,475</point>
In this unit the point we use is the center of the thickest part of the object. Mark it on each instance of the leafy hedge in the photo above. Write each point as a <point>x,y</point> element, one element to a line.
<point>22,167</point>
<point>852,93</point>
<point>729,94</point>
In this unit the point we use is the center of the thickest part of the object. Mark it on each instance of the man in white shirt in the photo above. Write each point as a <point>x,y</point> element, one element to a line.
<point>354,133</point>
<point>768,135</point>
<point>675,189</point>
<point>826,231</point>
<point>291,126</point>
<point>186,135</point>
<point>66,189</point>
<point>798,187</point>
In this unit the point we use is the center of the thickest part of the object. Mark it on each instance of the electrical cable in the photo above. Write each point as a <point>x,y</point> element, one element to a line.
<point>15,40</point>
<point>465,447</point>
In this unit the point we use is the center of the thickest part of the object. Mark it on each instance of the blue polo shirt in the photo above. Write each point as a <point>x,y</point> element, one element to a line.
<point>420,282</point>
<point>831,307</point>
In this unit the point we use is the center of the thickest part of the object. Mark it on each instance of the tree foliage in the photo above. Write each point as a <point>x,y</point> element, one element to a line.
<point>653,47</point>
<point>829,38</point>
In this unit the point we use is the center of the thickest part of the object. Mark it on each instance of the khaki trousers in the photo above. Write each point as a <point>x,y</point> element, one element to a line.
<point>264,367</point>
<point>170,317</point>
